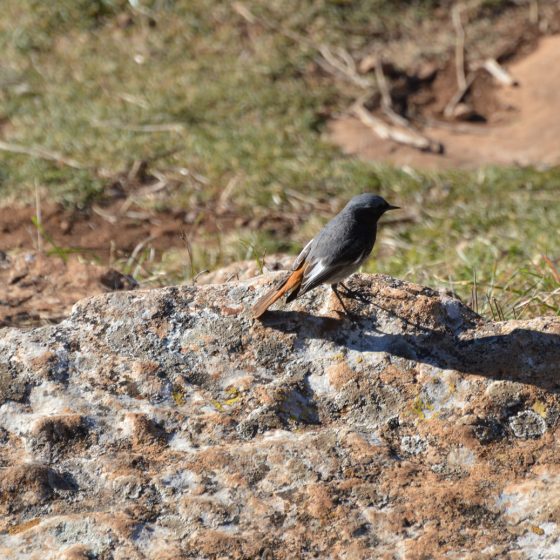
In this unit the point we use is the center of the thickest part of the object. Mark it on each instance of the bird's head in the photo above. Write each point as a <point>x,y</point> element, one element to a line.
<point>369,206</point>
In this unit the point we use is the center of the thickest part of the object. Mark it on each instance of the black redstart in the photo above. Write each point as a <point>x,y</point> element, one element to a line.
<point>337,251</point>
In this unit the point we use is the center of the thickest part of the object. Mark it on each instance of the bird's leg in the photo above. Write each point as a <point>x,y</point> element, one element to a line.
<point>354,294</point>
<point>350,315</point>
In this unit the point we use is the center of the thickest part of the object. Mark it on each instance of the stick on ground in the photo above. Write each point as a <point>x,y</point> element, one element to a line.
<point>407,137</point>
<point>40,153</point>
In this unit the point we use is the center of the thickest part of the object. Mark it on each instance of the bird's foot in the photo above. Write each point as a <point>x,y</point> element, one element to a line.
<point>351,316</point>
<point>355,294</point>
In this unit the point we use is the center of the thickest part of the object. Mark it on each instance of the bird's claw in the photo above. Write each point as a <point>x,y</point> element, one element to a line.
<point>355,294</point>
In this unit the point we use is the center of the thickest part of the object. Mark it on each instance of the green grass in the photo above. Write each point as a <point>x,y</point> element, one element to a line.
<point>489,229</point>
<point>247,102</point>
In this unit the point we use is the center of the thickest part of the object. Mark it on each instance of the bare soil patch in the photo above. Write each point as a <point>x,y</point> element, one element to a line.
<point>38,289</point>
<point>503,125</point>
<point>90,232</point>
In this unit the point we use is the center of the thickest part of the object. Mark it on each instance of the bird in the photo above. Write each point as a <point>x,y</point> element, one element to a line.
<point>336,252</point>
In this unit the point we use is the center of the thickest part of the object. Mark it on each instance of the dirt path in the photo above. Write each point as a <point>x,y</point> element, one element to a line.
<point>524,131</point>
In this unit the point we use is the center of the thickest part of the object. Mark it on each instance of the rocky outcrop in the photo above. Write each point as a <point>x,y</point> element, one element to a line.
<point>167,424</point>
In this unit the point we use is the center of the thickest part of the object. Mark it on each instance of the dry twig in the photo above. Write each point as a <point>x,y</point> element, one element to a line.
<point>137,250</point>
<point>342,64</point>
<point>223,200</point>
<point>534,11</point>
<point>408,137</point>
<point>40,153</point>
<point>554,270</point>
<point>459,46</point>
<point>450,108</point>
<point>198,275</point>
<point>463,82</point>
<point>498,72</point>
<point>386,100</point>
<point>107,216</point>
<point>248,16</point>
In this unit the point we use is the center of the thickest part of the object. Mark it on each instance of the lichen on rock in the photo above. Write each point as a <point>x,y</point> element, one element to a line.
<point>169,424</point>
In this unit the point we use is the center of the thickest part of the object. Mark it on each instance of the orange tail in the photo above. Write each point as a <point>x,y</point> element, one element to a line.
<point>293,281</point>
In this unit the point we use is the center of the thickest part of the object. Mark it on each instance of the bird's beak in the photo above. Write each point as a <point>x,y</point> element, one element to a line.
<point>391,207</point>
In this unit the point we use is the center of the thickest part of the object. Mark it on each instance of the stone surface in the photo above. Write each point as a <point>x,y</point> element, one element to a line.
<point>243,270</point>
<point>167,424</point>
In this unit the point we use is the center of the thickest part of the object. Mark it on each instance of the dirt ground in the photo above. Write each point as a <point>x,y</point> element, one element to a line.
<point>521,124</point>
<point>89,231</point>
<point>40,286</point>
<point>38,289</point>
<point>79,253</point>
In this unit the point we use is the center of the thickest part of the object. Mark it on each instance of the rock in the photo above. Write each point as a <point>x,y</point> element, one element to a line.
<point>27,484</point>
<point>168,424</point>
<point>10,389</point>
<point>243,270</point>
<point>56,435</point>
<point>527,424</point>
<point>115,280</point>
<point>413,444</point>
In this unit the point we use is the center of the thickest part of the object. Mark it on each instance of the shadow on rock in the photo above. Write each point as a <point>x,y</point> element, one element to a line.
<point>520,354</point>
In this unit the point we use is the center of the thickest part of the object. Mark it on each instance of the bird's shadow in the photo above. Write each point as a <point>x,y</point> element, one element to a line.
<point>523,355</point>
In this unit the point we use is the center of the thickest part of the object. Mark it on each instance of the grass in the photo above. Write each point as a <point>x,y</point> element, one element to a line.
<point>106,84</point>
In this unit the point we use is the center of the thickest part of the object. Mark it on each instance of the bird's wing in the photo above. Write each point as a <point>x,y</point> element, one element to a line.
<point>338,249</point>
<point>319,272</point>
<point>328,261</point>
<point>302,256</point>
